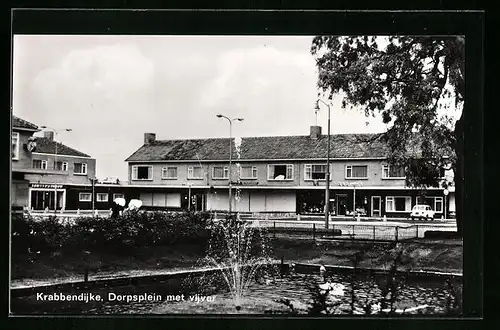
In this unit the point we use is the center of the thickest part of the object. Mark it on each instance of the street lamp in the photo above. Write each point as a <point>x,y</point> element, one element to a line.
<point>93,181</point>
<point>445,192</point>
<point>230,154</point>
<point>55,158</point>
<point>327,178</point>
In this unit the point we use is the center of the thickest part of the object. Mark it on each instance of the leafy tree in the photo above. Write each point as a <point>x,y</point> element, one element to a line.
<point>409,81</point>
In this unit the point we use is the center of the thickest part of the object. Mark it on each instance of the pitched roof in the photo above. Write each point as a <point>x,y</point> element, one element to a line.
<point>47,146</point>
<point>268,147</point>
<point>21,123</point>
<point>193,149</point>
<point>304,147</point>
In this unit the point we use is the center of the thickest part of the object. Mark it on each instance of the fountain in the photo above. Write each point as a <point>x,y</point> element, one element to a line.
<point>238,250</point>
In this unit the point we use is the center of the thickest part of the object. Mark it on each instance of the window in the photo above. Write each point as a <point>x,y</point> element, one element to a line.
<point>142,172</point>
<point>280,172</point>
<point>15,145</point>
<point>85,197</point>
<point>169,172</point>
<point>248,172</point>
<point>80,168</point>
<point>356,171</point>
<point>118,195</point>
<point>102,197</point>
<point>161,199</point>
<point>391,171</point>
<point>316,171</point>
<point>40,164</point>
<point>397,204</point>
<point>436,203</point>
<point>195,172</point>
<point>220,172</point>
<point>61,166</point>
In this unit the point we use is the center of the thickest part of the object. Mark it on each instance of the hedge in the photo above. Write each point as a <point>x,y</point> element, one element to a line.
<point>88,233</point>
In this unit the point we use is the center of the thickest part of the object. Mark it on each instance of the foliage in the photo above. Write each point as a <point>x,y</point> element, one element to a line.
<point>119,233</point>
<point>408,80</point>
<point>454,299</point>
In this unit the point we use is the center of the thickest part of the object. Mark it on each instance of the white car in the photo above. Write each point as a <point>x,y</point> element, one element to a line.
<point>422,212</point>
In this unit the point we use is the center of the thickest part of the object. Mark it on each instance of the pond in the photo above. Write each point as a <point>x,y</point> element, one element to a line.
<point>207,295</point>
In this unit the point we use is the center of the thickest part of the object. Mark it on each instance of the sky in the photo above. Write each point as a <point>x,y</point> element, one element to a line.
<point>110,90</point>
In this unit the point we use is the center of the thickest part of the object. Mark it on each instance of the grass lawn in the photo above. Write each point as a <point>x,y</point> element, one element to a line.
<point>421,254</point>
<point>442,255</point>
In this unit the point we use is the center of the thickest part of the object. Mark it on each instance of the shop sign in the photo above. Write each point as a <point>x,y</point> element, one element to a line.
<point>46,185</point>
<point>244,183</point>
<point>348,184</point>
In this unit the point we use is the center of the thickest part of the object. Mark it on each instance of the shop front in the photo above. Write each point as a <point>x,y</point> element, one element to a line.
<point>47,197</point>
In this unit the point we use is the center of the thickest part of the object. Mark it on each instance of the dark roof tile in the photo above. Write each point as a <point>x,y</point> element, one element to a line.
<point>193,149</point>
<point>269,147</point>
<point>21,123</point>
<point>47,146</point>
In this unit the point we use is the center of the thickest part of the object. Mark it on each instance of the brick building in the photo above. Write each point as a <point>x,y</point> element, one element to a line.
<point>276,174</point>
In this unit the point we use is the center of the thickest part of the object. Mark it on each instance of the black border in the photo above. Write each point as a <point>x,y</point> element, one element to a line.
<point>296,22</point>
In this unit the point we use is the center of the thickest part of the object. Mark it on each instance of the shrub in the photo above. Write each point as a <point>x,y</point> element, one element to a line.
<point>118,233</point>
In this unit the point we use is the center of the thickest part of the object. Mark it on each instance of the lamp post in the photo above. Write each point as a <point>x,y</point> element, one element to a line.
<point>327,178</point>
<point>230,154</point>
<point>445,192</point>
<point>55,159</point>
<point>93,181</point>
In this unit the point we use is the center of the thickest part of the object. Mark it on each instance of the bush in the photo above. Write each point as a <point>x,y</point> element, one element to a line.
<point>119,233</point>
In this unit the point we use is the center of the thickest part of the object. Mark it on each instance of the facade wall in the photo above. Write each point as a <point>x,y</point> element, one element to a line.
<point>19,193</point>
<point>73,193</point>
<point>24,160</point>
<point>338,176</point>
<point>66,177</point>
<point>292,199</point>
<point>254,201</point>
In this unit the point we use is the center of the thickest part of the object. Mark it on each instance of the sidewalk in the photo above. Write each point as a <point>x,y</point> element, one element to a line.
<point>31,283</point>
<point>361,223</point>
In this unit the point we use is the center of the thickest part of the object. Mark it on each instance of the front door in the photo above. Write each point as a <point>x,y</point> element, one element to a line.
<point>376,206</point>
<point>341,204</point>
<point>199,204</point>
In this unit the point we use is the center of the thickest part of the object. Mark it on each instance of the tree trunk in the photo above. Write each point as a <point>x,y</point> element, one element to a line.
<point>459,172</point>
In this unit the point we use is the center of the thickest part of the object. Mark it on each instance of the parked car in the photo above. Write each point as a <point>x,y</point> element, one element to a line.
<point>422,212</point>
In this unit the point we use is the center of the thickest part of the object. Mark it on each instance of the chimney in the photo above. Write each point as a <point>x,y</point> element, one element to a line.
<point>149,137</point>
<point>315,132</point>
<point>49,135</point>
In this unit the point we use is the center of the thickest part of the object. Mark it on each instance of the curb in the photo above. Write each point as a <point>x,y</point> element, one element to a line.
<point>316,267</point>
